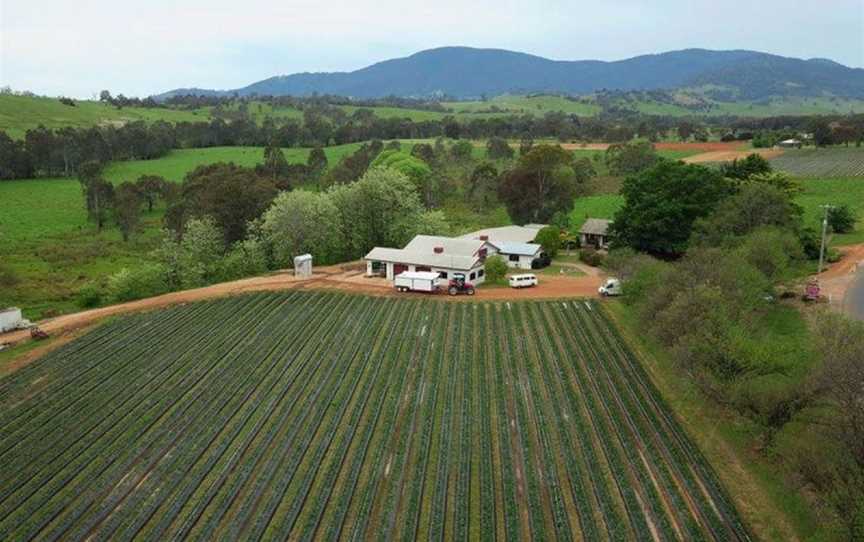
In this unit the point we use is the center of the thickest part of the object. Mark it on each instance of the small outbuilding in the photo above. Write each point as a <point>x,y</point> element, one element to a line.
<point>595,233</point>
<point>303,265</point>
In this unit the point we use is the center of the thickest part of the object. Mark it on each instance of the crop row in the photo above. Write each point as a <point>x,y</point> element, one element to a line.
<point>332,416</point>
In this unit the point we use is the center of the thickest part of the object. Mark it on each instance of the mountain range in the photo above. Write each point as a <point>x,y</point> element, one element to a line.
<point>467,73</point>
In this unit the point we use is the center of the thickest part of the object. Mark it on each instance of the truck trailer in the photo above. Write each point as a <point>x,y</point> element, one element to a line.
<point>416,281</point>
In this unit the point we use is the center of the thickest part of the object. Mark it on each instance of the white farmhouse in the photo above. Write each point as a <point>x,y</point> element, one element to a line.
<point>442,255</point>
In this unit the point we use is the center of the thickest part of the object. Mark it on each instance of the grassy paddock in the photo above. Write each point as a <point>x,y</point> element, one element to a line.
<point>21,113</point>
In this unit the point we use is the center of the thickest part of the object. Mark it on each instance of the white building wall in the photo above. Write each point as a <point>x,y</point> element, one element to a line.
<point>524,262</point>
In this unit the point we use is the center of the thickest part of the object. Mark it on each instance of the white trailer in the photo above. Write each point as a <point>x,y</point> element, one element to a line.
<point>11,319</point>
<point>416,281</point>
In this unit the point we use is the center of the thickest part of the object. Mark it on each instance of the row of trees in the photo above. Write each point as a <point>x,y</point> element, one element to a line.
<point>46,152</point>
<point>251,229</point>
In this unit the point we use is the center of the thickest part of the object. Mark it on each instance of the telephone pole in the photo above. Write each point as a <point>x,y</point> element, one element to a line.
<point>824,234</point>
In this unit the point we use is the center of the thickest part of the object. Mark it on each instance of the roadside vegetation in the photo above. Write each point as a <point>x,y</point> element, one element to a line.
<point>717,287</point>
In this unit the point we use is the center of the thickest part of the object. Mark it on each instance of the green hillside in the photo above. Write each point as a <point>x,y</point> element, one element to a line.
<point>21,113</point>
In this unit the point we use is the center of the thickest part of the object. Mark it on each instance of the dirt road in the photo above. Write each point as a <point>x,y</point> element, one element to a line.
<point>843,282</point>
<point>342,277</point>
<point>729,155</point>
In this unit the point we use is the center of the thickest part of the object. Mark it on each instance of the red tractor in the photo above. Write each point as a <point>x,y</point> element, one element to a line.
<point>458,285</point>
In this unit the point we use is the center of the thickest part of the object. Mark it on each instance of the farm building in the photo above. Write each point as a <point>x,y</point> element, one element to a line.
<point>595,232</point>
<point>442,255</point>
<point>514,243</point>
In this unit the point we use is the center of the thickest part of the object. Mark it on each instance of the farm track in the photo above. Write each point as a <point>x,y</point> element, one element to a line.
<point>310,415</point>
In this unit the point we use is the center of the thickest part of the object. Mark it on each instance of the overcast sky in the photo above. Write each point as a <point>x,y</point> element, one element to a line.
<point>78,47</point>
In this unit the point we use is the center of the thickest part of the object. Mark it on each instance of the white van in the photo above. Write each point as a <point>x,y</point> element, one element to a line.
<point>523,281</point>
<point>611,287</point>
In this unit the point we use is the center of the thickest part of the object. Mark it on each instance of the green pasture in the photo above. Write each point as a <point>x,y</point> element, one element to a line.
<point>21,113</point>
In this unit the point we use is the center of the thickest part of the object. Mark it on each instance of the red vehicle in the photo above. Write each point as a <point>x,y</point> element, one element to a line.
<point>458,285</point>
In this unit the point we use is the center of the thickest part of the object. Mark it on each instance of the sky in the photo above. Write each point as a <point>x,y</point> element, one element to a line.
<point>78,47</point>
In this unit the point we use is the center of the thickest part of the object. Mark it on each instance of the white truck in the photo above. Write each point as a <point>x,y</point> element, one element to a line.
<point>416,281</point>
<point>610,288</point>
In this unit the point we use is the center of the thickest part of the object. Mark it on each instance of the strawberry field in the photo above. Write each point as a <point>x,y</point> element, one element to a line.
<point>332,416</point>
<point>828,162</point>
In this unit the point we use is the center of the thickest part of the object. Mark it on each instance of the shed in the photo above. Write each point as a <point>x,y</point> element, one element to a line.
<point>10,319</point>
<point>303,265</point>
<point>595,232</point>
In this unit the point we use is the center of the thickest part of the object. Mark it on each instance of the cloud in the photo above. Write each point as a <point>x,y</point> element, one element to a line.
<point>77,48</point>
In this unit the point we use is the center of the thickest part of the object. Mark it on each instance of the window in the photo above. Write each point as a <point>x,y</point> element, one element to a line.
<point>481,273</point>
<point>514,257</point>
<point>472,276</point>
<point>442,274</point>
<point>482,253</point>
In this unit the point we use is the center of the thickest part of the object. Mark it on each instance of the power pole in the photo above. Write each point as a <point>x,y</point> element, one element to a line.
<point>824,234</point>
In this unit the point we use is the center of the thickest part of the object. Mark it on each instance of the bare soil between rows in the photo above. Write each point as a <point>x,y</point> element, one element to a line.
<point>347,278</point>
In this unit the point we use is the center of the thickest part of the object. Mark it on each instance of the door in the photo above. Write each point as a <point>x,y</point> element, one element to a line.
<point>399,268</point>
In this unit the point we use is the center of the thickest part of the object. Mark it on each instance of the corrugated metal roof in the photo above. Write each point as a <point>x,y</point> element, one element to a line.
<point>431,259</point>
<point>451,246</point>
<point>595,226</point>
<point>506,234</point>
<point>520,249</point>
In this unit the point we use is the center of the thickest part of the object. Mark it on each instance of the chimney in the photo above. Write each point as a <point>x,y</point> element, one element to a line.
<point>438,250</point>
<point>484,237</point>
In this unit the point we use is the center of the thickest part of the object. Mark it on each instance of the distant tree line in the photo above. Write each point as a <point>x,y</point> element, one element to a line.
<point>45,152</point>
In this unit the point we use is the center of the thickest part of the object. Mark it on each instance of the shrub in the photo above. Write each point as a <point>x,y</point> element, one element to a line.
<point>591,257</point>
<point>841,219</point>
<point>90,295</point>
<point>550,239</point>
<point>245,259</point>
<point>496,269</point>
<point>8,276</point>
<point>145,281</point>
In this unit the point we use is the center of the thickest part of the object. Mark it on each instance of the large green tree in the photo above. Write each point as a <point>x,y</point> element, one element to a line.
<point>301,221</point>
<point>754,206</point>
<point>662,203</point>
<point>543,182</point>
<point>98,193</point>
<point>414,168</point>
<point>377,210</point>
<point>630,158</point>
<point>127,209</point>
<point>231,195</point>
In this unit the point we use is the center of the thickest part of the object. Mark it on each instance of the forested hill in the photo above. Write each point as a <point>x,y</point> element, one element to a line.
<point>464,72</point>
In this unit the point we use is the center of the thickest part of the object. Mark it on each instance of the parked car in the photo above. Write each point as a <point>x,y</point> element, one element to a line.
<point>611,287</point>
<point>541,261</point>
<point>524,280</point>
